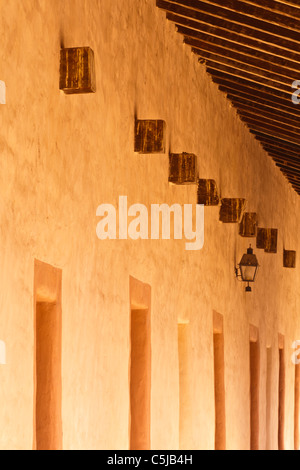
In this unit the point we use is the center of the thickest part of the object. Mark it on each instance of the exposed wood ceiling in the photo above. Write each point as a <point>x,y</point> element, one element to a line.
<point>251,49</point>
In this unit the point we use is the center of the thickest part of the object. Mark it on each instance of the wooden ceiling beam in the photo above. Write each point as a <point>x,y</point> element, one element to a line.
<point>292,173</point>
<point>295,184</point>
<point>191,27</point>
<point>267,104</point>
<point>279,142</point>
<point>283,160</point>
<point>253,27</point>
<point>265,123</point>
<point>271,130</point>
<point>288,129</point>
<point>282,150</point>
<point>238,71</point>
<point>290,9</point>
<point>282,146</point>
<point>281,153</point>
<point>284,163</point>
<point>292,3</point>
<point>291,170</point>
<point>291,176</point>
<point>278,113</point>
<point>252,10</point>
<point>254,65</point>
<point>225,77</point>
<point>253,110</point>
<point>251,51</point>
<point>233,49</point>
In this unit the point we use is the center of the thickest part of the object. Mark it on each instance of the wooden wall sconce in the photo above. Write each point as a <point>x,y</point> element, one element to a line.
<point>183,168</point>
<point>77,70</point>
<point>267,239</point>
<point>208,193</point>
<point>232,210</point>
<point>289,259</point>
<point>248,226</point>
<point>149,136</point>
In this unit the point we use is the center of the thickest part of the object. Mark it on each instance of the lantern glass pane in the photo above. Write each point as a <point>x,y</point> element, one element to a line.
<point>248,273</point>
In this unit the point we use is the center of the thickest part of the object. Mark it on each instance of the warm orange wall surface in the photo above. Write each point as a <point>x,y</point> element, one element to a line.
<point>62,156</point>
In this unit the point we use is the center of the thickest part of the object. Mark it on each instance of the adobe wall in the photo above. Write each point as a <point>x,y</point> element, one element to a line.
<point>62,156</point>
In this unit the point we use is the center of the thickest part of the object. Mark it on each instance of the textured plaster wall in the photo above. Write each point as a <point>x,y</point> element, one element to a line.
<point>62,156</point>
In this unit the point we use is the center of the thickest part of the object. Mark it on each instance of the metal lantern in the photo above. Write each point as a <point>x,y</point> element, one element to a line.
<point>247,268</point>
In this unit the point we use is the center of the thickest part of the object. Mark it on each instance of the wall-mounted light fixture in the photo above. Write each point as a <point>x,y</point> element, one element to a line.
<point>77,70</point>
<point>247,268</point>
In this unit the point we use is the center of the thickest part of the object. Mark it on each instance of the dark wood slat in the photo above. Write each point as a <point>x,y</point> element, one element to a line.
<point>285,8</point>
<point>259,27</point>
<point>257,11</point>
<point>284,128</point>
<point>231,36</point>
<point>278,114</point>
<point>294,3</point>
<point>251,50</point>
<point>292,174</point>
<point>281,154</point>
<point>289,168</point>
<point>282,149</point>
<point>281,143</point>
<point>284,160</point>
<point>233,85</point>
<point>291,177</point>
<point>194,18</point>
<point>252,64</point>
<point>268,104</point>
<point>271,130</point>
<point>295,183</point>
<point>292,152</point>
<point>255,127</point>
<point>241,83</point>
<point>282,163</point>
<point>287,172</point>
<point>213,66</point>
<point>247,52</point>
<point>262,112</point>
